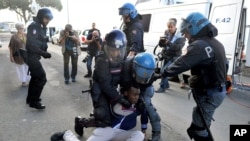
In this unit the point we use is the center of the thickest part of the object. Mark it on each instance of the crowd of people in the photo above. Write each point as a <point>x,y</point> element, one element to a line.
<point>124,73</point>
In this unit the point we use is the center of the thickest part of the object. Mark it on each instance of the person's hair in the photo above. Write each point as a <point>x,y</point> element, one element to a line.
<point>128,86</point>
<point>18,25</point>
<point>68,27</point>
<point>172,21</point>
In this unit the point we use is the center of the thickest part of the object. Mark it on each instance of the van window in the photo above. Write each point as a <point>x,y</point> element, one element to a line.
<point>146,21</point>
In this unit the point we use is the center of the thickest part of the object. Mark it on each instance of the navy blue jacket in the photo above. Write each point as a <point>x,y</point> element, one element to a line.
<point>134,34</point>
<point>36,40</point>
<point>129,122</point>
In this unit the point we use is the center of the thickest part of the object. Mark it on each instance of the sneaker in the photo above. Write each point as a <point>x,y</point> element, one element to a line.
<point>69,136</point>
<point>160,90</point>
<point>73,80</point>
<point>87,75</point>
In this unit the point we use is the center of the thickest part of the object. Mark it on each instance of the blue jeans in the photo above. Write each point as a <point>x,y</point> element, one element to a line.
<point>66,56</point>
<point>89,64</point>
<point>209,102</point>
<point>154,117</point>
<point>164,81</point>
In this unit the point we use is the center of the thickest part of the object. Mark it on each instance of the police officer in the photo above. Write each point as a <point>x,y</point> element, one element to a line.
<point>36,46</point>
<point>132,28</point>
<point>140,69</point>
<point>206,58</point>
<point>106,77</point>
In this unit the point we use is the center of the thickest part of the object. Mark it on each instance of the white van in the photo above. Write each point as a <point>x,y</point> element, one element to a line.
<point>228,16</point>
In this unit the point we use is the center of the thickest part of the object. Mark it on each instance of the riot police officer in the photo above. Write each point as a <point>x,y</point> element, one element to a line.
<point>36,46</point>
<point>132,28</point>
<point>206,58</point>
<point>106,77</point>
<point>140,69</point>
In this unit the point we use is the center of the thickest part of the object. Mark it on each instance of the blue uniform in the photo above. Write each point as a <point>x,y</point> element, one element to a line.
<point>36,46</point>
<point>206,59</point>
<point>106,78</point>
<point>134,34</point>
<point>147,92</point>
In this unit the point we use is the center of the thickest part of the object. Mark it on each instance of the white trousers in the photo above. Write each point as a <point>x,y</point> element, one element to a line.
<point>110,134</point>
<point>22,72</point>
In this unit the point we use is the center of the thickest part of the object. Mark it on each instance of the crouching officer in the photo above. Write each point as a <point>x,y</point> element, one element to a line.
<point>36,46</point>
<point>106,79</point>
<point>140,69</point>
<point>206,58</point>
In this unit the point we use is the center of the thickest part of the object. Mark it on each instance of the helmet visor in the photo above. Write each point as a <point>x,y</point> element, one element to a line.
<point>124,11</point>
<point>184,26</point>
<point>115,54</point>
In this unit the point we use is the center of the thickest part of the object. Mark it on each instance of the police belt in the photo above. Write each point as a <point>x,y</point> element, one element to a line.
<point>218,86</point>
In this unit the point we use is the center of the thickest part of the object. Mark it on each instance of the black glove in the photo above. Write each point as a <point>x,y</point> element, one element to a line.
<point>46,55</point>
<point>164,74</point>
<point>156,76</point>
<point>125,103</point>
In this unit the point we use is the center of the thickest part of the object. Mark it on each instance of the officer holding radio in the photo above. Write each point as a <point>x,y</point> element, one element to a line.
<point>69,40</point>
<point>94,45</point>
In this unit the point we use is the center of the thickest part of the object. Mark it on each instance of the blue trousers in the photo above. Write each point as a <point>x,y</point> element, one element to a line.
<point>209,102</point>
<point>89,64</point>
<point>154,117</point>
<point>164,81</point>
<point>66,57</point>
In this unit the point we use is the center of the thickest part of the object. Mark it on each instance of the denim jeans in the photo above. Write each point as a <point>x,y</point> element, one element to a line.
<point>66,57</point>
<point>153,115</point>
<point>89,64</point>
<point>209,102</point>
<point>164,81</point>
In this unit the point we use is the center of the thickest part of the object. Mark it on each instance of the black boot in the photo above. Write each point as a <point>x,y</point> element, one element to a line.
<point>80,123</point>
<point>37,105</point>
<point>28,101</point>
<point>57,136</point>
<point>193,135</point>
<point>156,136</point>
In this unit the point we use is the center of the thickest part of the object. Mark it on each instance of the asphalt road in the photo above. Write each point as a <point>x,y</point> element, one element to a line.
<point>19,122</point>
